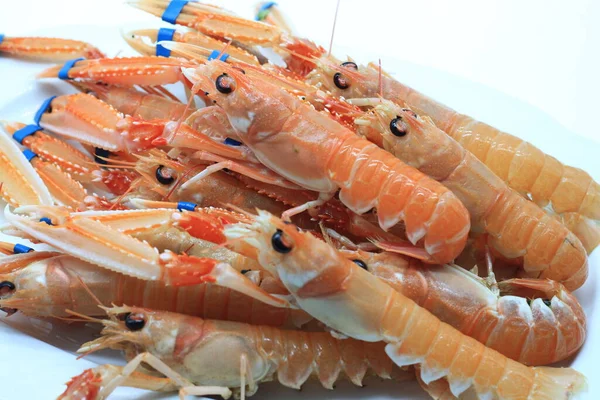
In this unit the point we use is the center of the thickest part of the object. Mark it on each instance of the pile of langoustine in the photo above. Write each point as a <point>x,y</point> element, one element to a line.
<point>313,219</point>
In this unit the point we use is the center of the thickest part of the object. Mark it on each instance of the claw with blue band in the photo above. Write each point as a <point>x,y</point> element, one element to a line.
<point>216,53</point>
<point>29,155</point>
<point>64,71</point>
<point>24,132</point>
<point>21,249</point>
<point>187,206</point>
<point>46,220</point>
<point>164,34</point>
<point>263,11</point>
<point>1,38</point>
<point>173,10</point>
<point>43,108</point>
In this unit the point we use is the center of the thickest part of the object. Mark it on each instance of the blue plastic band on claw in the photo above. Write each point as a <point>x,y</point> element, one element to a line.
<point>232,142</point>
<point>216,53</point>
<point>43,108</point>
<point>21,249</point>
<point>46,220</point>
<point>262,11</point>
<point>164,34</point>
<point>24,132</point>
<point>1,38</point>
<point>64,71</point>
<point>187,206</point>
<point>173,10</point>
<point>29,154</point>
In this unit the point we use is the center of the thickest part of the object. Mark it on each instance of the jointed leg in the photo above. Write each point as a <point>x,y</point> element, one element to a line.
<point>246,375</point>
<point>491,277</point>
<point>186,386</point>
<point>323,198</point>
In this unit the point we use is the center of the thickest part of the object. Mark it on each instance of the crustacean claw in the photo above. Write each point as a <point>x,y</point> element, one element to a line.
<point>85,118</point>
<point>214,21</point>
<point>43,48</point>
<point>144,71</point>
<point>20,184</point>
<point>145,42</point>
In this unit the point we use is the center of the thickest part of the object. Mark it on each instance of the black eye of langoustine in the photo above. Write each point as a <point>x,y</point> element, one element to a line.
<point>101,155</point>
<point>165,175</point>
<point>341,81</point>
<point>278,243</point>
<point>225,84</point>
<point>134,322</point>
<point>360,263</point>
<point>397,127</point>
<point>6,287</point>
<point>350,65</point>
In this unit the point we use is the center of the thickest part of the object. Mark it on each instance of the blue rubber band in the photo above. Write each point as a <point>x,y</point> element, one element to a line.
<point>232,142</point>
<point>64,71</point>
<point>43,108</point>
<point>46,220</point>
<point>187,206</point>
<point>260,14</point>
<point>24,132</point>
<point>1,37</point>
<point>173,10</point>
<point>164,34</point>
<point>216,53</point>
<point>21,249</point>
<point>29,155</point>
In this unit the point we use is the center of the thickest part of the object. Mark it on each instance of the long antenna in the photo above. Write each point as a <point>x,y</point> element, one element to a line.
<point>337,8</point>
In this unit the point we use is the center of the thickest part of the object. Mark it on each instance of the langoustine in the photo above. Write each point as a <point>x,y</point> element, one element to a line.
<point>48,284</point>
<point>223,354</point>
<point>348,299</point>
<point>108,239</point>
<point>542,178</point>
<point>515,227</point>
<point>533,321</point>
<point>368,177</point>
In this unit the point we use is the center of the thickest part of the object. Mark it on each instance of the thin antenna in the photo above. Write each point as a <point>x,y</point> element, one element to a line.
<point>224,48</point>
<point>337,7</point>
<point>185,110</point>
<point>89,291</point>
<point>180,180</point>
<point>380,81</point>
<point>121,197</point>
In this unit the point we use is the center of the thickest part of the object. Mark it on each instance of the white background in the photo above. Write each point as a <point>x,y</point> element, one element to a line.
<point>499,61</point>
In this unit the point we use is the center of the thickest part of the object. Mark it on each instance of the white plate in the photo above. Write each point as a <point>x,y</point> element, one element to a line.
<point>44,367</point>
